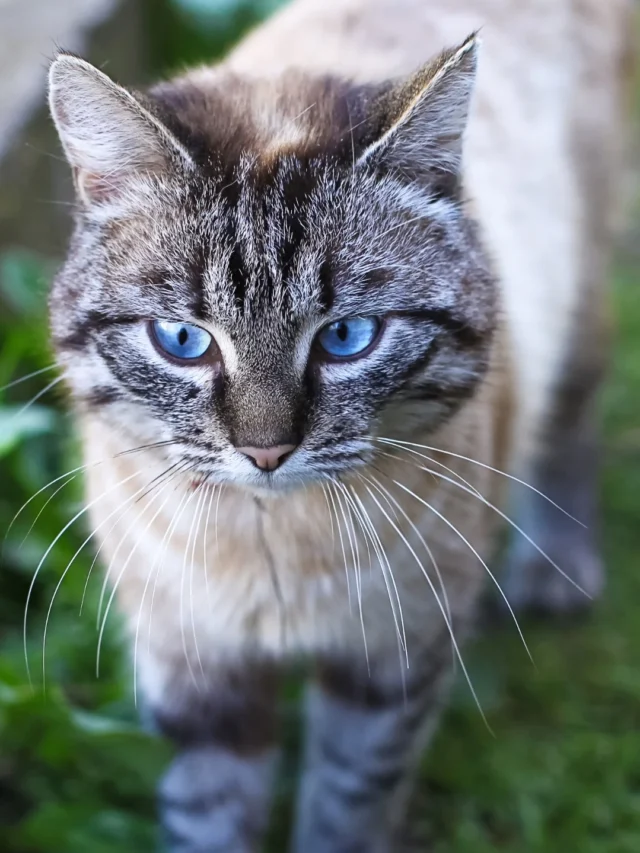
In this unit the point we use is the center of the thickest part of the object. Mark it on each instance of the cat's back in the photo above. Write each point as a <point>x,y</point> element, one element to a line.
<point>529,46</point>
<point>543,140</point>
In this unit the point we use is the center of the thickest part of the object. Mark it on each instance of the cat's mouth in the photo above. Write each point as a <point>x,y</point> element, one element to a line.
<point>265,485</point>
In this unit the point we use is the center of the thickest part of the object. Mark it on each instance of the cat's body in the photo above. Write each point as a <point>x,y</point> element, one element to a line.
<point>244,212</point>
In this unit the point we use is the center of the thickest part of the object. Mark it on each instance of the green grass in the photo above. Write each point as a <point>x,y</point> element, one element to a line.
<point>561,774</point>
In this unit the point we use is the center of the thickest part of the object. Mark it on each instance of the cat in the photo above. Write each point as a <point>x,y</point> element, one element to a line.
<point>326,304</point>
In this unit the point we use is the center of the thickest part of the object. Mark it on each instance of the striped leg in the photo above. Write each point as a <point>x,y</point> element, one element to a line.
<point>567,472</point>
<point>365,734</point>
<point>215,796</point>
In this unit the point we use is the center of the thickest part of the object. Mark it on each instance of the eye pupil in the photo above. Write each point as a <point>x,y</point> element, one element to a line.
<point>183,336</point>
<point>342,331</point>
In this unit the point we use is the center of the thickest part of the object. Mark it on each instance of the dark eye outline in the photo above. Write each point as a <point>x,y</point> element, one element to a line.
<point>322,354</point>
<point>210,356</point>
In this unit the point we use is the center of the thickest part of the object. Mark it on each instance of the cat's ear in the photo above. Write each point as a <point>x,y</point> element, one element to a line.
<point>107,134</point>
<point>420,122</point>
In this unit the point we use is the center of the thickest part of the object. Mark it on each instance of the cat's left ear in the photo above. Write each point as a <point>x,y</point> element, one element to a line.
<point>108,135</point>
<point>418,125</point>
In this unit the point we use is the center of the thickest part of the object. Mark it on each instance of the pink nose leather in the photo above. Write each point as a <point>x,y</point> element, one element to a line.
<point>268,458</point>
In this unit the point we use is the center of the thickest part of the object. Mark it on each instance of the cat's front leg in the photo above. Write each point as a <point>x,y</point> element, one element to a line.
<point>366,731</point>
<point>215,795</point>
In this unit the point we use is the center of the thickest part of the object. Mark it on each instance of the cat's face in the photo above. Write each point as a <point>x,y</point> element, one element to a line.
<point>227,296</point>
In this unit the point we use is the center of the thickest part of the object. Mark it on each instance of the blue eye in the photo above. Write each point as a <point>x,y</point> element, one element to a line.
<point>181,340</point>
<point>346,338</point>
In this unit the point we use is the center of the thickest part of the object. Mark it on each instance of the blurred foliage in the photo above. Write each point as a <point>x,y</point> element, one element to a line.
<point>76,771</point>
<point>186,32</point>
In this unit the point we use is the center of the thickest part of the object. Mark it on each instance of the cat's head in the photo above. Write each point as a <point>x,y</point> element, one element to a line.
<point>260,265</point>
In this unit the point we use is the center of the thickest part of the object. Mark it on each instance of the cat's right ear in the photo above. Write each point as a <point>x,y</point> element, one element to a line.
<point>107,134</point>
<point>419,124</point>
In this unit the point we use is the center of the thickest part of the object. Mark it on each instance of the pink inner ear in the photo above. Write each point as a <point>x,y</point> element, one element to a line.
<point>95,188</point>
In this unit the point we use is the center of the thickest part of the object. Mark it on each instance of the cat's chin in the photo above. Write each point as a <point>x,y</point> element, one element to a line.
<point>266,487</point>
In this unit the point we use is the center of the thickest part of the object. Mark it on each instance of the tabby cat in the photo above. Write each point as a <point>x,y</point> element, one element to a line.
<point>323,306</point>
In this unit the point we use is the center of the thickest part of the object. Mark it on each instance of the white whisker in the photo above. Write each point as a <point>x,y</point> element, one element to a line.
<point>141,493</point>
<point>324,492</point>
<point>124,508</point>
<point>430,459</point>
<point>142,600</point>
<point>43,508</point>
<point>87,580</point>
<point>363,527</point>
<point>77,470</point>
<point>394,504</point>
<point>36,397</point>
<point>205,543</point>
<point>164,545</point>
<point>350,531</point>
<point>476,494</point>
<point>445,615</point>
<point>197,492</point>
<point>401,225</point>
<point>41,490</point>
<point>302,112</point>
<point>121,509</point>
<point>27,377</point>
<point>511,477</point>
<point>343,489</point>
<point>132,551</point>
<point>476,554</point>
<point>344,552</point>
<point>215,523</point>
<point>199,512</point>
<point>353,145</point>
<point>401,638</point>
<point>46,554</point>
<point>385,566</point>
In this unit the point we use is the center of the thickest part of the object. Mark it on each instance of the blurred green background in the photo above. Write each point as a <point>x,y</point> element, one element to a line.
<point>562,774</point>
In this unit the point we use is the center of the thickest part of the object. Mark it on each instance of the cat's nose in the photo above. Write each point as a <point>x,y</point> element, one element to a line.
<point>268,458</point>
